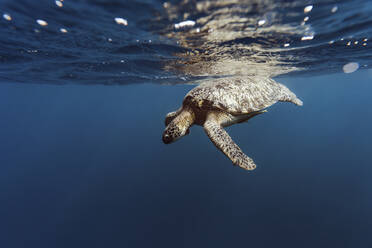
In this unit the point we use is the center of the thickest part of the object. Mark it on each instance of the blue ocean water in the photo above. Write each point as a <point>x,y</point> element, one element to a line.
<point>82,163</point>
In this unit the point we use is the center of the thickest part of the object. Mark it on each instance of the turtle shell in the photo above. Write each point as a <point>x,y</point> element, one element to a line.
<point>239,95</point>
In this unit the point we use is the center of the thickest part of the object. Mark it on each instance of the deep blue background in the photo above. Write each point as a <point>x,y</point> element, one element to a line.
<point>84,166</point>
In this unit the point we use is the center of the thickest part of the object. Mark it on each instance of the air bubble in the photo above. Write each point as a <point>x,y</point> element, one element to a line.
<point>121,21</point>
<point>308,8</point>
<point>350,67</point>
<point>41,22</point>
<point>7,17</point>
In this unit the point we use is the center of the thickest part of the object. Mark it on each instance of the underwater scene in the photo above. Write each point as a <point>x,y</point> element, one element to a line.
<point>185,123</point>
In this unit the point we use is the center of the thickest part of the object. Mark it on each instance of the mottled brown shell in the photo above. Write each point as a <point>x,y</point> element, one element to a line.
<point>239,95</point>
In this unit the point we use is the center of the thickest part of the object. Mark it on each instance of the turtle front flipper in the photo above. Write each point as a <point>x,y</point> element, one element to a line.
<point>223,141</point>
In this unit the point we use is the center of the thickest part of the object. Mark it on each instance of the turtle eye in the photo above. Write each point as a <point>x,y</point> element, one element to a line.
<point>167,121</point>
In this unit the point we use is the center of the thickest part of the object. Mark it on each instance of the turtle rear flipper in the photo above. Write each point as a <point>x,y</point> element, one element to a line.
<point>223,142</point>
<point>246,117</point>
<point>289,96</point>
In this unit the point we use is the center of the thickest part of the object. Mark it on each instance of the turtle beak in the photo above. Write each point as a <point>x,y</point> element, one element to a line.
<point>166,139</point>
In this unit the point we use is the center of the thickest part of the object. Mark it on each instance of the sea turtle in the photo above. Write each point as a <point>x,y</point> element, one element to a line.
<point>222,102</point>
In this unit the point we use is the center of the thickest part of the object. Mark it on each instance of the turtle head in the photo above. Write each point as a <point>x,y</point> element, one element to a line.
<point>173,132</point>
<point>178,127</point>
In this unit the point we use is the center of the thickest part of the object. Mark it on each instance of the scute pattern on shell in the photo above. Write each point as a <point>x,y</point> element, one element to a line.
<point>241,95</point>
